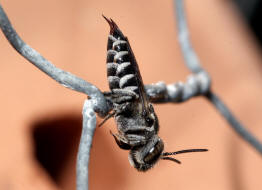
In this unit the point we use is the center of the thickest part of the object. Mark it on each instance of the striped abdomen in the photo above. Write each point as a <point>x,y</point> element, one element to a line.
<point>120,71</point>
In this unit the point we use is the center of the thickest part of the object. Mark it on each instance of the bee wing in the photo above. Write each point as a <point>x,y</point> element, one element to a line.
<point>141,89</point>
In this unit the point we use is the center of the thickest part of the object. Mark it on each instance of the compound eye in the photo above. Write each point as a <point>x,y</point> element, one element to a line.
<point>154,153</point>
<point>149,121</point>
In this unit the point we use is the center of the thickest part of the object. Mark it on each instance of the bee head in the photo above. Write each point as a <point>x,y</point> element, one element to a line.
<point>145,157</point>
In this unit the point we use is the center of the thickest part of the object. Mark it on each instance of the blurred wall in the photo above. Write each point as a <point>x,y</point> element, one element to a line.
<point>41,121</point>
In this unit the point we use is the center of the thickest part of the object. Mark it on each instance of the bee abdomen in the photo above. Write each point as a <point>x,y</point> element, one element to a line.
<point>124,69</point>
<point>111,56</point>
<point>127,80</point>
<point>120,72</point>
<point>119,45</point>
<point>132,88</point>
<point>113,82</point>
<point>112,69</point>
<point>111,40</point>
<point>121,57</point>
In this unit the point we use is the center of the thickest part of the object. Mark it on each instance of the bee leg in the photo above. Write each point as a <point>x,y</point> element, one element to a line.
<point>124,109</point>
<point>118,97</point>
<point>107,118</point>
<point>138,130</point>
<point>124,92</point>
<point>120,141</point>
<point>121,95</point>
<point>122,99</point>
<point>136,140</point>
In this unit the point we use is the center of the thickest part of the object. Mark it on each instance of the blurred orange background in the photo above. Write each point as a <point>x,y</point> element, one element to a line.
<point>41,121</point>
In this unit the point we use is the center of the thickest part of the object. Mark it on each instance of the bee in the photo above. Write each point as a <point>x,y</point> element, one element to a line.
<point>137,122</point>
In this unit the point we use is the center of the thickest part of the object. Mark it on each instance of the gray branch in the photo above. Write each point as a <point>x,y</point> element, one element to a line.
<point>89,126</point>
<point>192,62</point>
<point>196,84</point>
<point>64,78</point>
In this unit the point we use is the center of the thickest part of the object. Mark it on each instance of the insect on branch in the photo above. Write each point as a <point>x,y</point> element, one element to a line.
<point>197,84</point>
